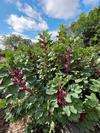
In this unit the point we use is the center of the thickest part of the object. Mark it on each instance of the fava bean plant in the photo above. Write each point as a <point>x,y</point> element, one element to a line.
<point>52,82</point>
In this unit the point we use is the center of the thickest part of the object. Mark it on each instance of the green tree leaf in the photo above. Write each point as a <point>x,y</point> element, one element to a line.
<point>73,110</point>
<point>51,91</point>
<point>68,98</point>
<point>75,95</point>
<point>66,110</point>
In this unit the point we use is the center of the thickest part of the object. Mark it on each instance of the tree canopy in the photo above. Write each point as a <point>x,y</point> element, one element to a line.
<point>88,27</point>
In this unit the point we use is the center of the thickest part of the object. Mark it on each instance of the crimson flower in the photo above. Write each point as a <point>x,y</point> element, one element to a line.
<point>43,43</point>
<point>97,72</point>
<point>66,68</point>
<point>67,61</point>
<point>18,79</point>
<point>60,97</point>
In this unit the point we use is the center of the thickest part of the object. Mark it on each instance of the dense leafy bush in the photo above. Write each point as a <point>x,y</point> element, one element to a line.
<point>52,82</point>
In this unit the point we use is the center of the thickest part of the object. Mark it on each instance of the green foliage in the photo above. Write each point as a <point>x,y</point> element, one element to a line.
<point>95,85</point>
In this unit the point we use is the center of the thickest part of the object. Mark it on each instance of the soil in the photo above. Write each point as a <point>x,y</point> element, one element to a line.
<point>3,125</point>
<point>18,127</point>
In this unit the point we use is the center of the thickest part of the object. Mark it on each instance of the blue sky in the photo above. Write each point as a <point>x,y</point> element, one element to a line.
<point>29,17</point>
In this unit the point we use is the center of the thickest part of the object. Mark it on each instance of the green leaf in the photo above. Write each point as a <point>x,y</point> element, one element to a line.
<point>78,80</point>
<point>98,108</point>
<point>2,103</point>
<point>2,88</point>
<point>51,91</point>
<point>92,97</point>
<point>91,101</point>
<point>6,82</point>
<point>95,85</point>
<point>74,117</point>
<point>13,89</point>
<point>78,90</point>
<point>75,95</point>
<point>38,114</point>
<point>66,110</point>
<point>3,73</point>
<point>68,98</point>
<point>53,105</point>
<point>73,110</point>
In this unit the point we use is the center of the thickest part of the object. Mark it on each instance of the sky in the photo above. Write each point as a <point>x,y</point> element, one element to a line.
<point>29,17</point>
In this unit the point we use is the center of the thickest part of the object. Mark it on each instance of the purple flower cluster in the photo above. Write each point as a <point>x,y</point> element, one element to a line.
<point>43,43</point>
<point>67,61</point>
<point>97,72</point>
<point>17,77</point>
<point>60,97</point>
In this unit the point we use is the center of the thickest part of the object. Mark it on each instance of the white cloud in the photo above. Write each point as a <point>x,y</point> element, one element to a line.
<point>31,20</point>
<point>28,10</point>
<point>21,23</point>
<point>90,2</point>
<point>63,9</point>
<point>35,39</point>
<point>19,34</point>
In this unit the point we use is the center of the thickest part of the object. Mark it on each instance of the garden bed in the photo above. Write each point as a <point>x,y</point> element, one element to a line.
<point>20,126</point>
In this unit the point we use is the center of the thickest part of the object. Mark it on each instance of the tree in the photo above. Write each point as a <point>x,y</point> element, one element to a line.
<point>88,27</point>
<point>14,41</point>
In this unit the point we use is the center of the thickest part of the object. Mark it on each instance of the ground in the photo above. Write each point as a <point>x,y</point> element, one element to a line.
<point>19,126</point>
